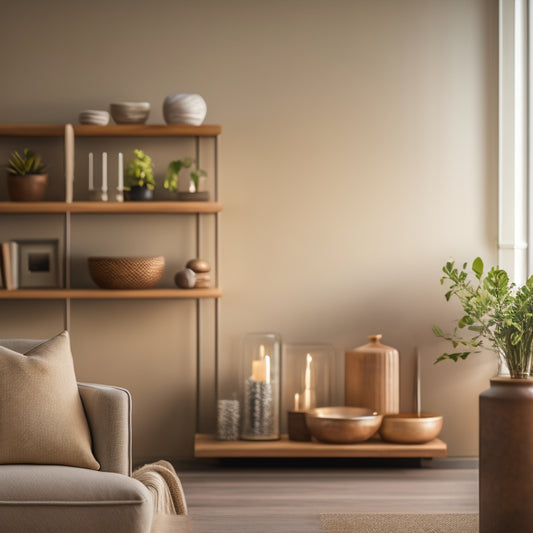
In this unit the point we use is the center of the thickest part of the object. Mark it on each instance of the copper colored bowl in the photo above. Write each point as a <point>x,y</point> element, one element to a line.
<point>126,272</point>
<point>341,424</point>
<point>410,428</point>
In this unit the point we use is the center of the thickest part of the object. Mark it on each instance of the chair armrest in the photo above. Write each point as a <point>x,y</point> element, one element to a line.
<point>108,411</point>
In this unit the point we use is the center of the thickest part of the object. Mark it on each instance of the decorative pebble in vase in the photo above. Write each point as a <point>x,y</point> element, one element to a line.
<point>261,394</point>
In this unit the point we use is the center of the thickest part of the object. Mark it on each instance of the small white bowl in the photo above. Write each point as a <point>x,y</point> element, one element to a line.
<point>130,112</point>
<point>95,117</point>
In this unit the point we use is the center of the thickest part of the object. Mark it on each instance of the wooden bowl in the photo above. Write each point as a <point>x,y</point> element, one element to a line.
<point>341,424</point>
<point>126,272</point>
<point>410,428</point>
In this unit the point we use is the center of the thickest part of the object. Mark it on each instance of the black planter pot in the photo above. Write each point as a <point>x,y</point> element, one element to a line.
<point>139,194</point>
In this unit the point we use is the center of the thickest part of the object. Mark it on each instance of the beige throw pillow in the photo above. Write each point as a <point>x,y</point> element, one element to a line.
<point>42,420</point>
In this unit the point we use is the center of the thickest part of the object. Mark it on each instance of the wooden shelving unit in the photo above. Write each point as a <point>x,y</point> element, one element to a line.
<point>106,294</point>
<point>113,130</point>
<point>207,446</point>
<point>111,207</point>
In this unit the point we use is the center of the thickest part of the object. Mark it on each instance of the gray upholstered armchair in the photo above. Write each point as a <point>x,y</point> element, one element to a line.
<point>49,498</point>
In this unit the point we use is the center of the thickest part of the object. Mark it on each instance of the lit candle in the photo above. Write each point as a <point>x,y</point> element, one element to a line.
<point>259,370</point>
<point>267,368</point>
<point>418,403</point>
<point>120,171</point>
<point>309,399</point>
<point>91,171</point>
<point>104,171</point>
<point>309,360</point>
<point>296,402</point>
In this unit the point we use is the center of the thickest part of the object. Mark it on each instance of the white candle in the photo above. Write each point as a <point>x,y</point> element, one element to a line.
<point>267,368</point>
<point>418,402</point>
<point>69,162</point>
<point>296,402</point>
<point>259,370</point>
<point>91,171</point>
<point>104,171</point>
<point>309,399</point>
<point>307,380</point>
<point>120,171</point>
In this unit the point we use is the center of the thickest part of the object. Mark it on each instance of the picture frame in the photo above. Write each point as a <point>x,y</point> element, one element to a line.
<point>38,264</point>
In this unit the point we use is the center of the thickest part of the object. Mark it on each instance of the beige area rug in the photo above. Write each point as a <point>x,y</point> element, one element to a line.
<point>165,487</point>
<point>399,523</point>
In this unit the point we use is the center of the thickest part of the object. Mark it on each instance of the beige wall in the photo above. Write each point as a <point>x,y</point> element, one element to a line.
<point>359,152</point>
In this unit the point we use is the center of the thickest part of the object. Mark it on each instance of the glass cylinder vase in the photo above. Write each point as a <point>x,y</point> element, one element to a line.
<point>308,372</point>
<point>261,365</point>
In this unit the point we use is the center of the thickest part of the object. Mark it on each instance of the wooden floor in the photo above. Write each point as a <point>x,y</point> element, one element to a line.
<point>285,499</point>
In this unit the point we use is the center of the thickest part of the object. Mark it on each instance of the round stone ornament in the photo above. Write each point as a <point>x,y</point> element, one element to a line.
<point>185,279</point>
<point>198,265</point>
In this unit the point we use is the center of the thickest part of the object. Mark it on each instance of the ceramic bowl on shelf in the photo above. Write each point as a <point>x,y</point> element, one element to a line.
<point>342,424</point>
<point>94,117</point>
<point>130,112</point>
<point>184,108</point>
<point>126,272</point>
<point>410,428</point>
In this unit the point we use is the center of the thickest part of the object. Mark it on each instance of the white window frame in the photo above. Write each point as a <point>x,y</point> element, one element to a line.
<point>515,142</point>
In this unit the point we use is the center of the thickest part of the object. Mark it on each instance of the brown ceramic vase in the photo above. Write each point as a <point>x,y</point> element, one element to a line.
<point>29,188</point>
<point>506,456</point>
<point>372,377</point>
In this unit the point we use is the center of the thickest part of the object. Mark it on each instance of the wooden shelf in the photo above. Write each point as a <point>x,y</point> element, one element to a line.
<point>209,446</point>
<point>174,207</point>
<point>113,130</point>
<point>103,294</point>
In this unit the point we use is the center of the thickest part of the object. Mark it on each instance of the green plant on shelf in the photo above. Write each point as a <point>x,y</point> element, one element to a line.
<point>25,163</point>
<point>140,172</point>
<point>174,169</point>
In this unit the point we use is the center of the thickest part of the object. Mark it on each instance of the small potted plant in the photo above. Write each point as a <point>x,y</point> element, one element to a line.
<point>27,178</point>
<point>496,315</point>
<point>139,181</point>
<point>172,178</point>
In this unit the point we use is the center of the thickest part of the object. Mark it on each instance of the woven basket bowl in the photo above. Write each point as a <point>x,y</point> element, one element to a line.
<point>126,272</point>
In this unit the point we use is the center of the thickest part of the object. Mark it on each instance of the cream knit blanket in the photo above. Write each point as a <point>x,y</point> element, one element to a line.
<point>163,483</point>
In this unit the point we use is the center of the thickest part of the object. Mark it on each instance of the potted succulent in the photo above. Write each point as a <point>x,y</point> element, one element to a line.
<point>172,179</point>
<point>139,181</point>
<point>27,178</point>
<point>497,315</point>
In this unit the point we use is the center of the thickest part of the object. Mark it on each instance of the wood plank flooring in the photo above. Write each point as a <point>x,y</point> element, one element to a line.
<point>281,499</point>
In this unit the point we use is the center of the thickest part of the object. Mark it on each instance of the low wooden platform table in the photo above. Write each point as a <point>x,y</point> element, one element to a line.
<point>208,446</point>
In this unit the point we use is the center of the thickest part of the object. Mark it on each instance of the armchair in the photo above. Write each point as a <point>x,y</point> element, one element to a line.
<point>51,498</point>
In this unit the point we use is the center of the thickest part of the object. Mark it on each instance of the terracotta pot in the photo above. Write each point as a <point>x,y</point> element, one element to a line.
<point>29,188</point>
<point>372,377</point>
<point>506,456</point>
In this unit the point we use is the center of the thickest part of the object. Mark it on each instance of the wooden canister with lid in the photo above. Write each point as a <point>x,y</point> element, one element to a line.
<point>372,377</point>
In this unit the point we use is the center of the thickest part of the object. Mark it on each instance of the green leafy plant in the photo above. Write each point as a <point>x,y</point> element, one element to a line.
<point>140,172</point>
<point>497,315</point>
<point>26,163</point>
<point>175,167</point>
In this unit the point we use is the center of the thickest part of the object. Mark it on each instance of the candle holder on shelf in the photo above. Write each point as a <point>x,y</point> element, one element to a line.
<point>261,365</point>
<point>308,371</point>
<point>228,419</point>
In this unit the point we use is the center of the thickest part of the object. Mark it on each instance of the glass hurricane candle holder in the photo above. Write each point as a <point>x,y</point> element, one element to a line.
<point>308,372</point>
<point>261,364</point>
